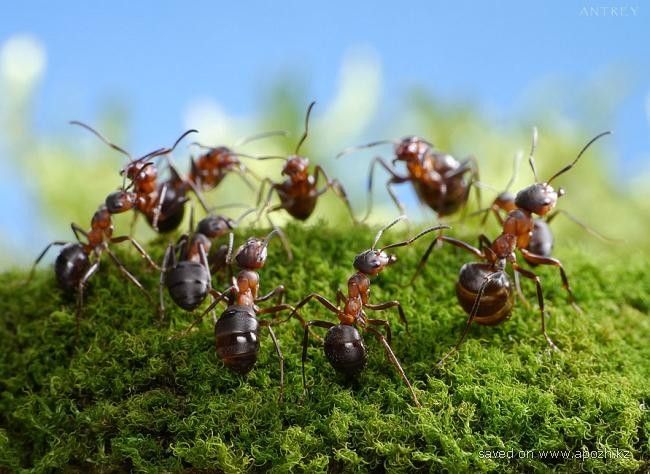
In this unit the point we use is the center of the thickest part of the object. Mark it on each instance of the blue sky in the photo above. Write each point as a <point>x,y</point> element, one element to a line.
<point>160,56</point>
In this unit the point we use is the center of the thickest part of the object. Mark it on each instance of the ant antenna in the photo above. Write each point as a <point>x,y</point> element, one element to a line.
<point>259,136</point>
<point>247,212</point>
<point>351,149</point>
<point>515,170</point>
<point>568,167</point>
<point>304,135</point>
<point>416,237</point>
<point>102,138</point>
<point>385,228</point>
<point>532,152</point>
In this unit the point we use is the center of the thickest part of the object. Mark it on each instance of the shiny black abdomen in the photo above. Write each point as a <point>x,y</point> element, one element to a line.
<point>188,284</point>
<point>345,349</point>
<point>236,338</point>
<point>498,298</point>
<point>70,266</point>
<point>171,211</point>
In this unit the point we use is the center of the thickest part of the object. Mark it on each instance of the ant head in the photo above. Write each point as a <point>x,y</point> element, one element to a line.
<point>411,149</point>
<point>505,201</point>
<point>373,261</point>
<point>215,226</point>
<point>141,171</point>
<point>252,255</point>
<point>223,156</point>
<point>120,201</point>
<point>296,167</point>
<point>539,198</point>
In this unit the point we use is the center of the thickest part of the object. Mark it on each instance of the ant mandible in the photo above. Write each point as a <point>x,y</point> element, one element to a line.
<point>344,346</point>
<point>438,178</point>
<point>163,204</point>
<point>236,332</point>
<point>299,193</point>
<point>484,290</point>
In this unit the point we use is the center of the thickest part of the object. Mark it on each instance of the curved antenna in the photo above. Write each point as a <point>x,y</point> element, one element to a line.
<point>259,136</point>
<point>351,149</point>
<point>385,228</point>
<point>482,185</point>
<point>569,166</point>
<point>416,237</point>
<point>532,152</point>
<point>515,170</point>
<point>246,213</point>
<point>304,135</point>
<point>102,138</point>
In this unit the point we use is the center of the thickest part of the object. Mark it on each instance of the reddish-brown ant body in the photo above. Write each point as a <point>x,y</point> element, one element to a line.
<point>438,178</point>
<point>344,345</point>
<point>484,290</point>
<point>299,193</point>
<point>236,331</point>
<point>78,262</point>
<point>162,203</point>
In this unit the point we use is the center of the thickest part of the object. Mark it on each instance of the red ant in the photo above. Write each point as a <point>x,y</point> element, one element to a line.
<point>162,203</point>
<point>344,346</point>
<point>78,262</point>
<point>237,330</point>
<point>299,193</point>
<point>211,168</point>
<point>484,290</point>
<point>438,178</point>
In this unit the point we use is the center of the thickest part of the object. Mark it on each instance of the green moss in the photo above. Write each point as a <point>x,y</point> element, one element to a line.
<point>126,397</point>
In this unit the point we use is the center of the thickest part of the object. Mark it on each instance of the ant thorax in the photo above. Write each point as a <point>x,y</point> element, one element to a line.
<point>359,286</point>
<point>198,240</point>
<point>503,247</point>
<point>247,285</point>
<point>352,311</point>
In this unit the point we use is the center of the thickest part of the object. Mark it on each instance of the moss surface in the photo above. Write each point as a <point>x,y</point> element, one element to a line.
<point>126,397</point>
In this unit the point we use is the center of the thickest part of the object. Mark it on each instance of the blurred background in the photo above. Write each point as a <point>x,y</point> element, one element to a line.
<point>473,78</point>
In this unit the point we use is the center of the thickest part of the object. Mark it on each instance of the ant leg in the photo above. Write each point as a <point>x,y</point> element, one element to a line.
<point>128,274</point>
<point>40,257</point>
<point>335,186</point>
<point>395,178</point>
<point>158,209</point>
<point>281,234</point>
<point>80,292</point>
<point>450,240</point>
<point>280,356</point>
<point>541,260</point>
<point>386,325</point>
<point>133,221</point>
<point>206,265</point>
<point>470,319</point>
<point>266,202</point>
<point>340,297</point>
<point>277,291</point>
<point>520,293</point>
<point>393,360</point>
<point>321,299</point>
<point>197,192</point>
<point>169,255</point>
<point>138,247</point>
<point>388,305</point>
<point>305,342</point>
<point>218,298</point>
<point>540,300</point>
<point>242,174</point>
<point>484,242</point>
<point>591,231</point>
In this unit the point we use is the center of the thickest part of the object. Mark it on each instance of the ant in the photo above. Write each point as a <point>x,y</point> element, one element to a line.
<point>236,331</point>
<point>163,204</point>
<point>484,290</point>
<point>299,193</point>
<point>437,177</point>
<point>344,346</point>
<point>211,168</point>
<point>186,268</point>
<point>77,261</point>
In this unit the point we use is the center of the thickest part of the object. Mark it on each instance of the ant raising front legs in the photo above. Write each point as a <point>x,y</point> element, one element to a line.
<point>484,290</point>
<point>236,332</point>
<point>344,345</point>
<point>299,193</point>
<point>438,178</point>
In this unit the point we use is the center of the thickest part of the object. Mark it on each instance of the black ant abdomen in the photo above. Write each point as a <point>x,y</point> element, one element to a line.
<point>236,338</point>
<point>70,266</point>
<point>541,240</point>
<point>345,349</point>
<point>188,284</point>
<point>497,299</point>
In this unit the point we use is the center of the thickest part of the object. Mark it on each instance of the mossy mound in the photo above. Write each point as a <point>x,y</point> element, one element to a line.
<point>128,398</point>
